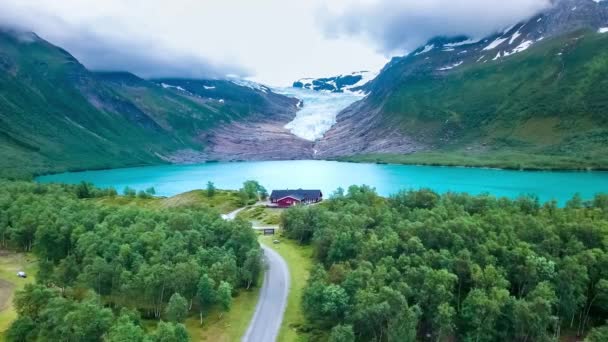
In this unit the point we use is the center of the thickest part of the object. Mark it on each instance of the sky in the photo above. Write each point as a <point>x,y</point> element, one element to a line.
<point>270,41</point>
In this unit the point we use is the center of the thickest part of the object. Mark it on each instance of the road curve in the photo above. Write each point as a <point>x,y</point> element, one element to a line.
<point>268,316</point>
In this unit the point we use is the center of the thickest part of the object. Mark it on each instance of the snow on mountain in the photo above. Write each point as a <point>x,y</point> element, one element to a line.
<point>426,49</point>
<point>337,84</point>
<point>452,66</point>
<point>169,86</point>
<point>250,84</point>
<point>495,43</point>
<point>444,53</point>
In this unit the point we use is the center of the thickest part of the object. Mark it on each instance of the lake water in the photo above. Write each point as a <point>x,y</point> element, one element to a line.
<point>170,180</point>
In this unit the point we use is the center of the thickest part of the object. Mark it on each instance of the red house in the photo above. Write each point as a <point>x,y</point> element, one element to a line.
<point>288,198</point>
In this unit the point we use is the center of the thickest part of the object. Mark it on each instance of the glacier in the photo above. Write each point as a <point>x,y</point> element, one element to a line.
<point>319,112</point>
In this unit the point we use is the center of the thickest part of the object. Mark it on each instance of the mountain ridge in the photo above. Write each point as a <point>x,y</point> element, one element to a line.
<point>56,115</point>
<point>539,98</point>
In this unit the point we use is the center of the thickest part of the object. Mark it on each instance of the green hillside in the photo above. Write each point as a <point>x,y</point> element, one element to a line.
<point>55,115</point>
<point>547,102</point>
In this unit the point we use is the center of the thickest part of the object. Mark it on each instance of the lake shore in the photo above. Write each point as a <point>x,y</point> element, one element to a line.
<point>499,161</point>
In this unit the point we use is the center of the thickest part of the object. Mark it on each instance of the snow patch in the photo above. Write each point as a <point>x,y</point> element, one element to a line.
<point>168,86</point>
<point>426,49</point>
<point>508,29</point>
<point>521,47</point>
<point>514,37</point>
<point>366,76</point>
<point>495,43</point>
<point>464,42</point>
<point>251,85</point>
<point>452,66</point>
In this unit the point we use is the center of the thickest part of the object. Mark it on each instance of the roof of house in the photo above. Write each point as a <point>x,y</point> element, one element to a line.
<point>297,193</point>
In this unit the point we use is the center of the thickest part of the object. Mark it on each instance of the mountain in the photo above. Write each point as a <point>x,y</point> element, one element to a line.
<point>336,84</point>
<point>56,115</point>
<point>536,90</point>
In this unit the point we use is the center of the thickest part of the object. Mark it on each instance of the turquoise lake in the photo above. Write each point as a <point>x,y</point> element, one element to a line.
<point>170,180</point>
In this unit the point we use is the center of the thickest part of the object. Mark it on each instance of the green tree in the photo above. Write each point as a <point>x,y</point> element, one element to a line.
<point>125,330</point>
<point>129,192</point>
<point>342,333</point>
<point>599,334</point>
<point>252,268</point>
<point>177,309</point>
<point>32,300</point>
<point>206,294</point>
<point>22,329</point>
<point>83,190</point>
<point>224,295</point>
<point>482,311</point>
<point>403,326</point>
<point>170,332</point>
<point>210,189</point>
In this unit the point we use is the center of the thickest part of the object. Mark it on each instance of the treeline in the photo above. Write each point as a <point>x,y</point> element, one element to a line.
<point>119,264</point>
<point>423,266</point>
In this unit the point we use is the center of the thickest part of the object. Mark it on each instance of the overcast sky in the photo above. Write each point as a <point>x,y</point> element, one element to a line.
<point>272,41</point>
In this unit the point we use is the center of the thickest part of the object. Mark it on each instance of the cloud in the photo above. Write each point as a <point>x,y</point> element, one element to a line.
<point>273,41</point>
<point>103,46</point>
<point>398,26</point>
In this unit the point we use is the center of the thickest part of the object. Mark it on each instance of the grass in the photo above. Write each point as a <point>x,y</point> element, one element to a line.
<point>501,160</point>
<point>10,264</point>
<point>230,326</point>
<point>224,201</point>
<point>299,260</point>
<point>260,215</point>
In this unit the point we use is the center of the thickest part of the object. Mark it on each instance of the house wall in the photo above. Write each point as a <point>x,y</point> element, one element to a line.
<point>287,202</point>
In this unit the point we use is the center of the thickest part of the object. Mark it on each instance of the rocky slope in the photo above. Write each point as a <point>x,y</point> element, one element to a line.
<point>533,87</point>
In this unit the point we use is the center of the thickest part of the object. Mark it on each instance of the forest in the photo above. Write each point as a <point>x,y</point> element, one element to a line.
<point>106,272</point>
<point>454,267</point>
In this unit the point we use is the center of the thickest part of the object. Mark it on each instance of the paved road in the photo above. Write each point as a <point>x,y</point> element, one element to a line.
<point>264,326</point>
<point>268,316</point>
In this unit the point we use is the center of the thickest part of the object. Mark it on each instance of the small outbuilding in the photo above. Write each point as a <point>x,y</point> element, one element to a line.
<point>288,198</point>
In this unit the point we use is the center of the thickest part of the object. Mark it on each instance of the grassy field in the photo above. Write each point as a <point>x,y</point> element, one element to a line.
<point>260,215</point>
<point>501,160</point>
<point>299,261</point>
<point>10,264</point>
<point>223,201</point>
